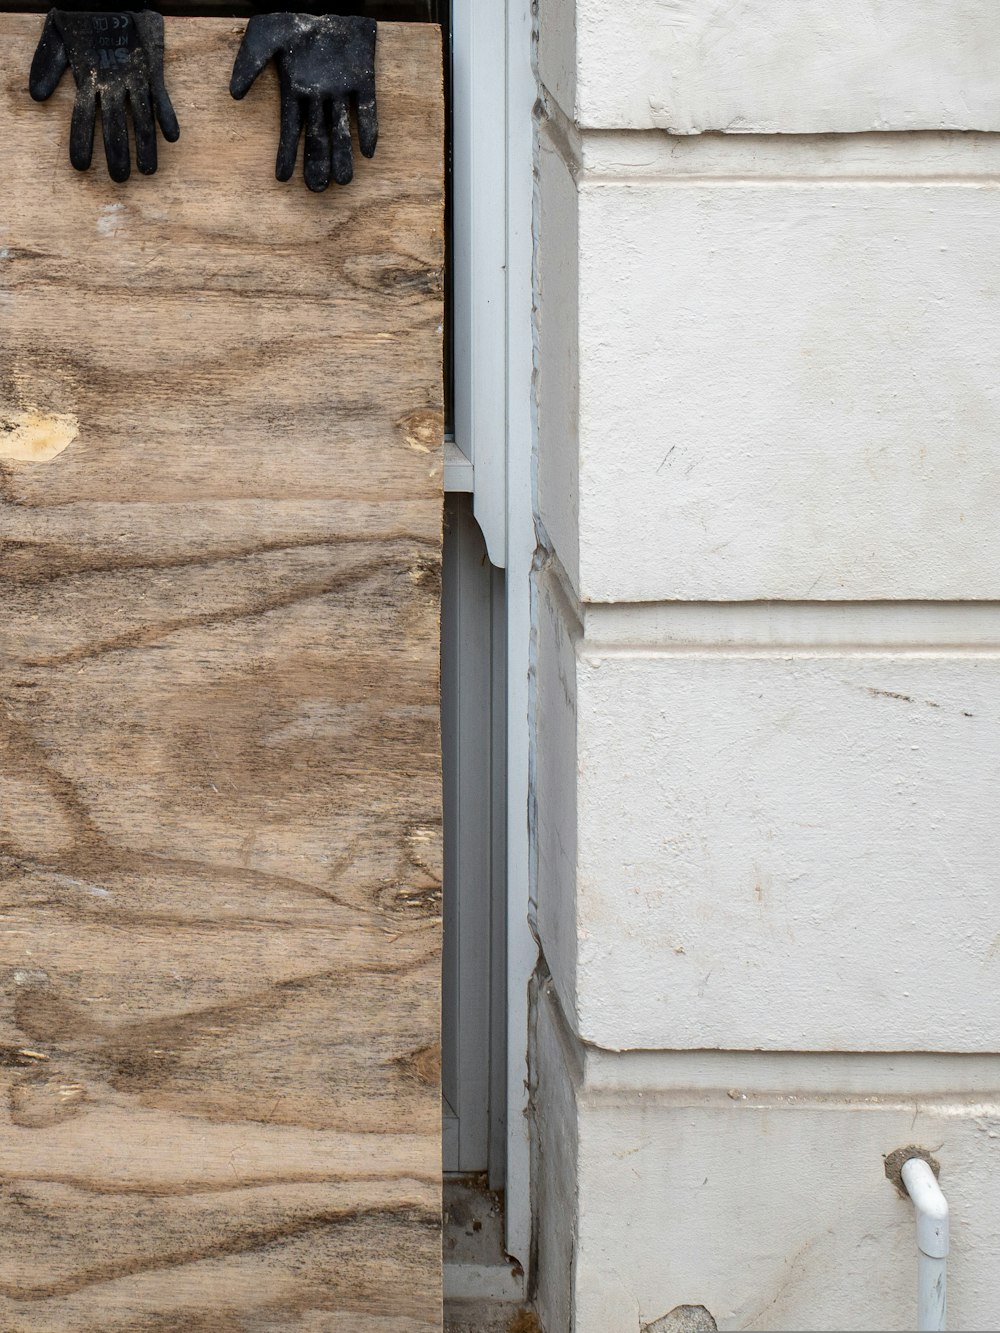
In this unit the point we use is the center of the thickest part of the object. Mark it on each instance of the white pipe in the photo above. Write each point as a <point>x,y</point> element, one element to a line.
<point>932,1244</point>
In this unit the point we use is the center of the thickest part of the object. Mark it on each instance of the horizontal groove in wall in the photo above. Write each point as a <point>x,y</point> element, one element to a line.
<point>774,628</point>
<point>757,1096</point>
<point>921,157</point>
<point>756,1078</point>
<point>595,650</point>
<point>742,1075</point>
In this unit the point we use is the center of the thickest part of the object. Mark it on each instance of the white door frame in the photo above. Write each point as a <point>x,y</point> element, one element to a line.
<point>493,97</point>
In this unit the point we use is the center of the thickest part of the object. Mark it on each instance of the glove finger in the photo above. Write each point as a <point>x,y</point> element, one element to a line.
<point>115,128</point>
<point>151,29</point>
<point>259,44</point>
<point>81,129</point>
<point>362,46</point>
<point>145,130</point>
<point>317,154</point>
<point>343,157</point>
<point>367,121</point>
<point>165,113</point>
<point>288,138</point>
<point>48,63</point>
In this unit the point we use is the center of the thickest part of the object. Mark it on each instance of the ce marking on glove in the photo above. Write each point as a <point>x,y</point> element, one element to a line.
<point>114,37</point>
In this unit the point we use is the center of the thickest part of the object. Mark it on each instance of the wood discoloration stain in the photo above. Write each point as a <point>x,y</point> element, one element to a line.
<point>220,834</point>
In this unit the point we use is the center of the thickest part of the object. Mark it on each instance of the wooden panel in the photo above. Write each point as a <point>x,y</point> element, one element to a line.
<point>219,757</point>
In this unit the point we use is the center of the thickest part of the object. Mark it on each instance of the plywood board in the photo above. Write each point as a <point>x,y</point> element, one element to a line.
<point>219,756</point>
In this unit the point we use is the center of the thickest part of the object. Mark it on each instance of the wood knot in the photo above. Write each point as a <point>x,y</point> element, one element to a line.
<point>423,431</point>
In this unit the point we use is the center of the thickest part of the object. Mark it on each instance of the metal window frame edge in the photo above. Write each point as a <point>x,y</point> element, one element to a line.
<point>493,98</point>
<point>479,246</point>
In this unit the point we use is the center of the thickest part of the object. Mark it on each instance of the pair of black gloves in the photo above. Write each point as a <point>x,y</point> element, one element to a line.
<point>324,63</point>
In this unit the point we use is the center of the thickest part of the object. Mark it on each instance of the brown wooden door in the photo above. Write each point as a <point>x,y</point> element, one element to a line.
<point>220,514</point>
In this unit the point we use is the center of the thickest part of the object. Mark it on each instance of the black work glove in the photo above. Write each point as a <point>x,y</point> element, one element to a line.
<point>323,64</point>
<point>115,58</point>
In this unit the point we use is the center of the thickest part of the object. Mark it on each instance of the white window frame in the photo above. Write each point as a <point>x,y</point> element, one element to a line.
<point>493,98</point>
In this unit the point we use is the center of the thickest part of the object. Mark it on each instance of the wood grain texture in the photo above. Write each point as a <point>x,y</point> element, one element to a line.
<point>219,755</point>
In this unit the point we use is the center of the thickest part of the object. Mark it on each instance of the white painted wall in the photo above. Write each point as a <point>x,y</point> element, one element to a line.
<point>767,656</point>
<point>773,66</point>
<point>754,1185</point>
<point>768,370</point>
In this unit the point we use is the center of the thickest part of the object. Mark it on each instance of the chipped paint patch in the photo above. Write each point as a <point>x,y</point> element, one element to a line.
<point>34,436</point>
<point>94,890</point>
<point>110,219</point>
<point>37,1103</point>
<point>683,1319</point>
<point>30,976</point>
